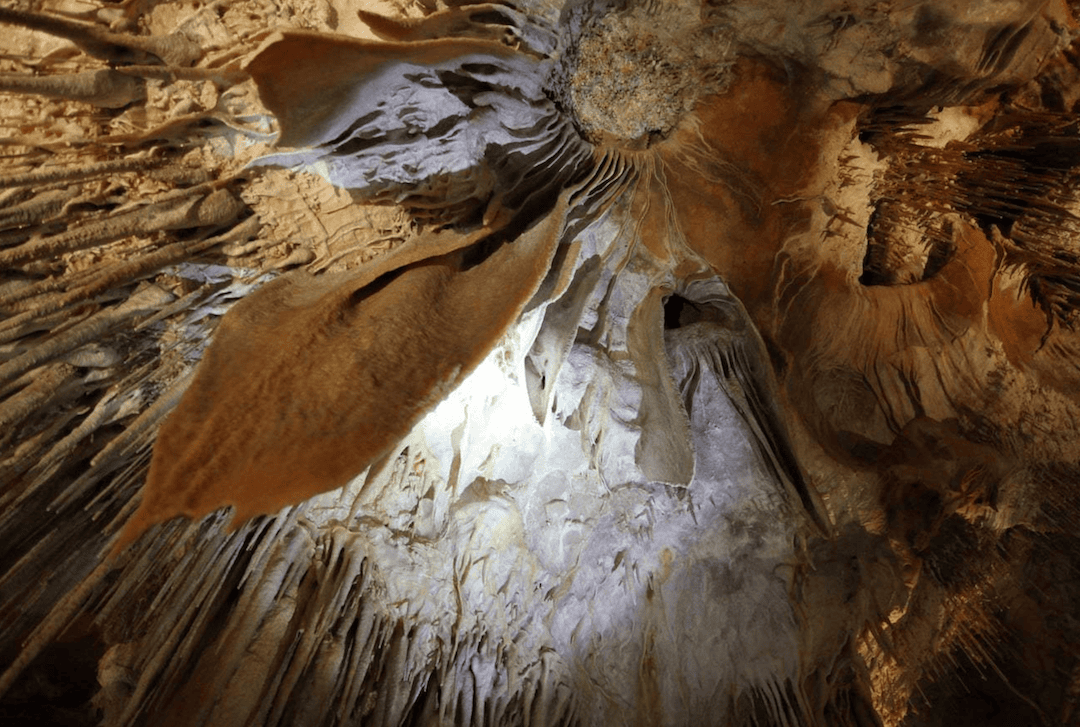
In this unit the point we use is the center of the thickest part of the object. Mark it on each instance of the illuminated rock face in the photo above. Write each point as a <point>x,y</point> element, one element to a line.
<point>652,364</point>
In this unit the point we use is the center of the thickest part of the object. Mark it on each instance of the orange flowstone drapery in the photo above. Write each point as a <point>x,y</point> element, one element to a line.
<point>310,380</point>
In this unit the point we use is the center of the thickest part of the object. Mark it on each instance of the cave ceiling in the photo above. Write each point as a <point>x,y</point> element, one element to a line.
<point>539,362</point>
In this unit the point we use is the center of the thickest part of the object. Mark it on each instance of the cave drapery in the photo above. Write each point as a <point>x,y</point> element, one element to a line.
<point>539,362</point>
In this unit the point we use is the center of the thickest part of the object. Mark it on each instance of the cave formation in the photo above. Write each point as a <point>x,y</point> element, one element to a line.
<point>539,362</point>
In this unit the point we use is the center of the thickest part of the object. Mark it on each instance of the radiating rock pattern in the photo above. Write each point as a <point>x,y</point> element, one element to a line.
<point>539,362</point>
